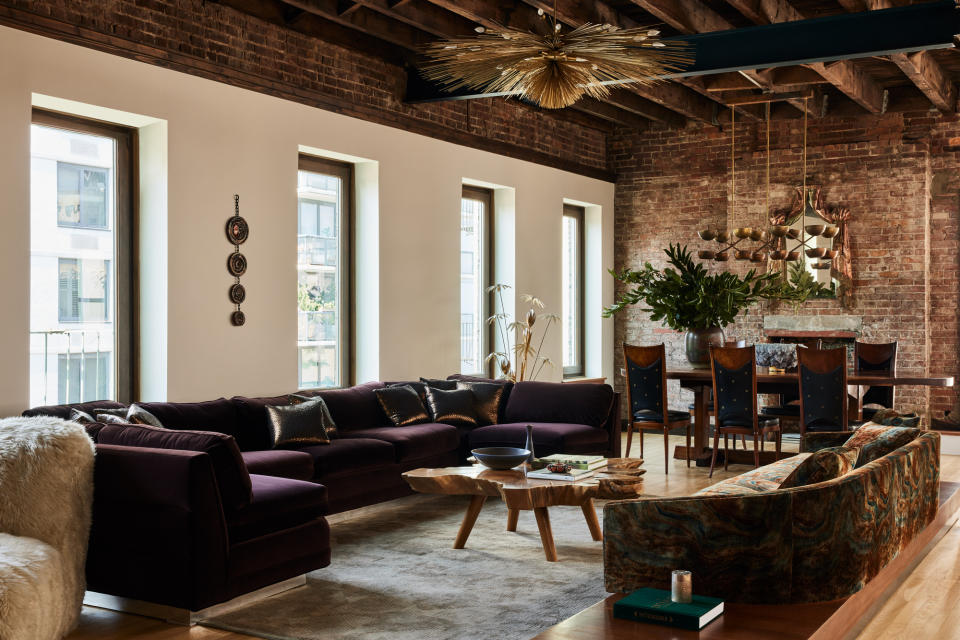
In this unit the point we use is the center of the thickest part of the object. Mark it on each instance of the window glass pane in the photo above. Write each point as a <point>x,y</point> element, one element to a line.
<point>72,258</point>
<point>319,277</point>
<point>572,301</point>
<point>472,285</point>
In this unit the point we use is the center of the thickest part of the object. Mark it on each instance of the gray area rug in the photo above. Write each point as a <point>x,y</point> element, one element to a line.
<point>394,576</point>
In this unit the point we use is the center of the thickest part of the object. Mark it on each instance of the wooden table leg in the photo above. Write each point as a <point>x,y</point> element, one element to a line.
<point>512,515</point>
<point>546,533</point>
<point>591,515</point>
<point>469,518</point>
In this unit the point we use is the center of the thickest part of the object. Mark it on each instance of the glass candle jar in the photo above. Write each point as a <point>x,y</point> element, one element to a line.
<point>681,586</point>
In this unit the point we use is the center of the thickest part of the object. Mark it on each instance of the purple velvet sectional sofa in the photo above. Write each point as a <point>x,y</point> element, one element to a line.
<point>204,509</point>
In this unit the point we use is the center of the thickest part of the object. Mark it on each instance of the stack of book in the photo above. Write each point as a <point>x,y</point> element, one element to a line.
<point>581,466</point>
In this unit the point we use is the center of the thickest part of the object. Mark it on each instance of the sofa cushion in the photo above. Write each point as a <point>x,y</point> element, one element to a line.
<point>252,420</point>
<point>488,399</point>
<point>63,410</point>
<point>138,415</point>
<point>454,407</point>
<point>548,437</point>
<point>726,488</point>
<point>446,385</point>
<point>875,441</point>
<point>295,425</point>
<point>218,415</point>
<point>228,467</point>
<point>584,404</point>
<point>283,463</point>
<point>349,454</point>
<point>416,441</point>
<point>820,466</point>
<point>402,404</point>
<point>352,407</point>
<point>277,504</point>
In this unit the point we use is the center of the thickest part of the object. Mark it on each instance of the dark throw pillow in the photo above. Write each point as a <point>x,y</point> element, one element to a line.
<point>820,466</point>
<point>488,400</point>
<point>295,425</point>
<point>451,407</point>
<point>138,415</point>
<point>402,405</point>
<point>109,418</point>
<point>330,427</point>
<point>120,412</point>
<point>81,416</point>
<point>446,385</point>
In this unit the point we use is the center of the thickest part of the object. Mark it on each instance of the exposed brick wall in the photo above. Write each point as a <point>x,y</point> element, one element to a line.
<point>211,40</point>
<point>893,172</point>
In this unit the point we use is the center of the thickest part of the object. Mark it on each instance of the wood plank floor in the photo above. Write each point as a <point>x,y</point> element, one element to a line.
<point>928,594</point>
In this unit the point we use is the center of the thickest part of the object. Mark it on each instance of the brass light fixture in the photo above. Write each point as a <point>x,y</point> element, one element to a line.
<point>556,69</point>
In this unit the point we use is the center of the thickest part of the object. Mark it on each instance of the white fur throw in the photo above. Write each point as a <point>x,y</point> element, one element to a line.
<point>46,493</point>
<point>34,600</point>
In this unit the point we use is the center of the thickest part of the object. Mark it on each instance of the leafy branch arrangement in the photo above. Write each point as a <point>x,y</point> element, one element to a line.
<point>687,297</point>
<point>800,285</point>
<point>519,360</point>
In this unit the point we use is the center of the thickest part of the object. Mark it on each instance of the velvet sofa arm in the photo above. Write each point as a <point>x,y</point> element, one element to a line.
<point>726,541</point>
<point>614,428</point>
<point>159,532</point>
<point>821,440</point>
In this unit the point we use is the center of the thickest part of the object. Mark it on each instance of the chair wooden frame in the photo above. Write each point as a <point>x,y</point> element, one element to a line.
<point>875,354</point>
<point>822,361</point>
<point>734,358</point>
<point>644,357</point>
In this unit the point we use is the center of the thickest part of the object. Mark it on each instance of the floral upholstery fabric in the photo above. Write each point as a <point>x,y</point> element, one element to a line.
<point>765,478</point>
<point>875,441</point>
<point>807,544</point>
<point>825,464</point>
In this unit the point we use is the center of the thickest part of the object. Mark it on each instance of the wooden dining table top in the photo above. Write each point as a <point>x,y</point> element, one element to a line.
<point>873,379</point>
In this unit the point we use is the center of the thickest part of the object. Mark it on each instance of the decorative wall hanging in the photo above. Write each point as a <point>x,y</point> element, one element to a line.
<point>237,233</point>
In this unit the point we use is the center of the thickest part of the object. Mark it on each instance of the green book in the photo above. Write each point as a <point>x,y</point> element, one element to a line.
<point>655,606</point>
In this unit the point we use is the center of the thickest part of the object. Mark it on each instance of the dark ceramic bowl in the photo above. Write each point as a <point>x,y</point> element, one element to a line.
<point>816,252</point>
<point>500,458</point>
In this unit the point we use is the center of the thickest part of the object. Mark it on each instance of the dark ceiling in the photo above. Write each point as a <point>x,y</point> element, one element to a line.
<point>393,29</point>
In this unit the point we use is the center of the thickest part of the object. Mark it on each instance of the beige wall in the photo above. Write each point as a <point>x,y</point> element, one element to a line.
<point>221,140</point>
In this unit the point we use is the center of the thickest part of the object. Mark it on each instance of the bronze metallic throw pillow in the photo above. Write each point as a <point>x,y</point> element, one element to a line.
<point>81,416</point>
<point>111,418</point>
<point>451,407</point>
<point>331,428</point>
<point>296,425</point>
<point>487,400</point>
<point>446,385</point>
<point>402,405</point>
<point>138,415</point>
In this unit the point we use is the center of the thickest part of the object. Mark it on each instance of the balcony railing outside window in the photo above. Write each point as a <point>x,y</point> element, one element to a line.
<point>317,250</point>
<point>73,366</point>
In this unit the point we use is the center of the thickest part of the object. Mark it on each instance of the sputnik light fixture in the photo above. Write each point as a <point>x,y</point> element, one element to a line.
<point>554,69</point>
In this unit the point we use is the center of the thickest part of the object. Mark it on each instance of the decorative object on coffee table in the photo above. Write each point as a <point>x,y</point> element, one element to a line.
<point>522,493</point>
<point>501,458</point>
<point>529,446</point>
<point>237,233</point>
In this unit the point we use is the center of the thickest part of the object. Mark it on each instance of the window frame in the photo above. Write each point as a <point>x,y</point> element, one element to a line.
<point>487,272</point>
<point>346,280</point>
<point>579,370</point>
<point>126,306</point>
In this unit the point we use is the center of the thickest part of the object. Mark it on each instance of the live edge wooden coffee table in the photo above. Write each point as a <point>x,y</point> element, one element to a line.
<point>528,494</point>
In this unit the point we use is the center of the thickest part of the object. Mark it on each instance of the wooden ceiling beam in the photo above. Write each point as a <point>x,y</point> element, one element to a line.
<point>577,12</point>
<point>369,22</point>
<point>434,20</point>
<point>639,105</point>
<point>609,112</point>
<point>494,14</point>
<point>923,70</point>
<point>842,74</point>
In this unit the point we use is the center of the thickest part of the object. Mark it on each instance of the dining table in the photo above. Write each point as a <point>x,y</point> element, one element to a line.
<point>700,382</point>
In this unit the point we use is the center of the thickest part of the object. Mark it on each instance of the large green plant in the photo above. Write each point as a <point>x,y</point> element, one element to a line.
<point>688,297</point>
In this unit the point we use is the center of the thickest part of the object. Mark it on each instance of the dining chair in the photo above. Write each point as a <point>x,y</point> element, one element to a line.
<point>733,342</point>
<point>879,359</point>
<point>647,398</point>
<point>734,372</point>
<point>822,375</point>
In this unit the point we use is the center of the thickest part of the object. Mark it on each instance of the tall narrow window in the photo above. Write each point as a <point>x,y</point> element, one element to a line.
<point>475,248</point>
<point>573,297</point>
<point>82,345</point>
<point>324,191</point>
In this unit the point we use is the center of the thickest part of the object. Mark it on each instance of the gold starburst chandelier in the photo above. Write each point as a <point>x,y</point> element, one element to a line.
<point>556,69</point>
